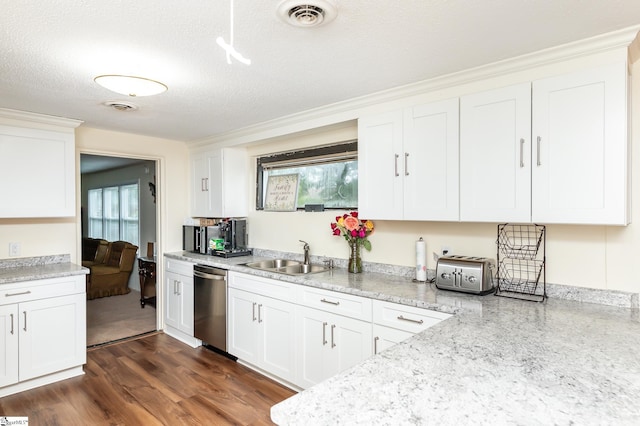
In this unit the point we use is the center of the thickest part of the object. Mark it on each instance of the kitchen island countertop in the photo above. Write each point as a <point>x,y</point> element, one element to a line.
<point>496,361</point>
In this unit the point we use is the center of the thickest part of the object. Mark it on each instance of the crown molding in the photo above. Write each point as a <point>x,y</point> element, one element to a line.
<point>350,109</point>
<point>32,117</point>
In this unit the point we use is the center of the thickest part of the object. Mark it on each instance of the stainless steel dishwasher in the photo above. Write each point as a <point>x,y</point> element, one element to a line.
<point>210,306</point>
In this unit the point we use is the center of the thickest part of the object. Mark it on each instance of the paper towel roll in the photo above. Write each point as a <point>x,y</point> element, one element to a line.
<point>421,260</point>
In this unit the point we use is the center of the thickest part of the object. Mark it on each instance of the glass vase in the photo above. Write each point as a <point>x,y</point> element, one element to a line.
<point>355,261</point>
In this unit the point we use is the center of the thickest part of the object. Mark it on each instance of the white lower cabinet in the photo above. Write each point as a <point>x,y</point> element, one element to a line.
<point>179,297</point>
<point>330,344</point>
<point>393,323</point>
<point>261,332</point>
<point>303,335</point>
<point>43,332</point>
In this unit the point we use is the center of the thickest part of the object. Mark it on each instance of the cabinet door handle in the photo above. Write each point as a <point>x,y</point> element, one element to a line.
<point>11,315</point>
<point>259,314</point>
<point>17,294</point>
<point>324,333</point>
<point>329,302</point>
<point>254,311</point>
<point>375,345</point>
<point>406,164</point>
<point>538,151</point>
<point>521,152</point>
<point>333,343</point>
<point>202,185</point>
<point>401,318</point>
<point>396,166</point>
<point>207,184</point>
<point>25,320</point>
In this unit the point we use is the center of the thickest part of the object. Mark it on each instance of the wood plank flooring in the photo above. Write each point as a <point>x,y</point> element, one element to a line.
<point>153,380</point>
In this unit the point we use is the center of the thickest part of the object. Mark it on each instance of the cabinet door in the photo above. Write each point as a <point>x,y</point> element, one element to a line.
<point>380,166</point>
<point>580,147</point>
<point>385,337</point>
<point>186,298</point>
<point>8,344</point>
<point>48,189</point>
<point>495,154</point>
<point>431,161</point>
<point>173,305</point>
<point>242,320</point>
<point>276,320</point>
<point>52,335</point>
<point>349,343</point>
<point>200,184</point>
<point>313,328</point>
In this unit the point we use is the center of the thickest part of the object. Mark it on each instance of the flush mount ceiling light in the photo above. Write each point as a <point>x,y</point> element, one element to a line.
<point>311,13</point>
<point>130,85</point>
<point>231,51</point>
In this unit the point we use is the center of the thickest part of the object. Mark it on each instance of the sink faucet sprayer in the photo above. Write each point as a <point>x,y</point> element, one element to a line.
<point>306,252</point>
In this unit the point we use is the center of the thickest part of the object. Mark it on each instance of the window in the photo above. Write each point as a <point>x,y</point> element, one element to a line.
<point>114,213</point>
<point>328,175</point>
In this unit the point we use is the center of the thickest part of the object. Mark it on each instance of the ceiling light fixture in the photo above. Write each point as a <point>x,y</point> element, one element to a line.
<point>228,48</point>
<point>130,86</point>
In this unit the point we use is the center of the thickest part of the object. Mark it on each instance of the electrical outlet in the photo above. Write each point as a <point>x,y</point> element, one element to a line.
<point>14,249</point>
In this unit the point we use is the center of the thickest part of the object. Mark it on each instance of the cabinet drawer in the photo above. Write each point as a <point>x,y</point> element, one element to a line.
<point>264,286</point>
<point>339,303</point>
<point>406,318</point>
<point>41,289</point>
<point>179,267</point>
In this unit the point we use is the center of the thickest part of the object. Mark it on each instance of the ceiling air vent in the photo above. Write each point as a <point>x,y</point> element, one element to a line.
<point>311,13</point>
<point>121,106</point>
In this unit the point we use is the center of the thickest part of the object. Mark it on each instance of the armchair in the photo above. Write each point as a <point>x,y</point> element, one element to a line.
<point>112,277</point>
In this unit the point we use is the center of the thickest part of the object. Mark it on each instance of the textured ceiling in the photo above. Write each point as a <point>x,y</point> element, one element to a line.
<point>50,51</point>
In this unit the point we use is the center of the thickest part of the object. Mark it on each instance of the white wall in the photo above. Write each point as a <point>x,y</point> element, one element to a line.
<point>588,256</point>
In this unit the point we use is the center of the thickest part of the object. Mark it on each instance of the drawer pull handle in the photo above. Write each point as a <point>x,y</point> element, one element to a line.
<point>329,302</point>
<point>17,294</point>
<point>333,344</point>
<point>410,320</point>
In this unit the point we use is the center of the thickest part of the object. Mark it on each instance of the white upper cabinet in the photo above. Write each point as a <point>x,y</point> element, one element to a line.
<point>37,168</point>
<point>380,186</point>
<point>495,155</point>
<point>551,151</point>
<point>408,163</point>
<point>219,183</point>
<point>580,147</point>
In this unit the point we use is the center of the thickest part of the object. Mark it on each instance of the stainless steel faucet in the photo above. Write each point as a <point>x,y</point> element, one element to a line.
<point>306,252</point>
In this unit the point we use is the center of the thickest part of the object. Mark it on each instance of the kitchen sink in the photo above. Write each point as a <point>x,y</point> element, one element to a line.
<point>272,264</point>
<point>285,266</point>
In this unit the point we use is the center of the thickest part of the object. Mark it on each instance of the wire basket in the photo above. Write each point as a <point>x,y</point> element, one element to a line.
<point>521,271</point>
<point>520,241</point>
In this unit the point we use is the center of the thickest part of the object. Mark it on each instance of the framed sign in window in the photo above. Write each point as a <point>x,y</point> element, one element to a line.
<point>282,193</point>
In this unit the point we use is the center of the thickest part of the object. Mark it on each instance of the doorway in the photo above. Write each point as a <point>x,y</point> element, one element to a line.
<point>118,203</point>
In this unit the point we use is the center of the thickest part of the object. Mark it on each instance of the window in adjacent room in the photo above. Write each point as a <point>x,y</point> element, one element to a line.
<point>327,175</point>
<point>114,213</point>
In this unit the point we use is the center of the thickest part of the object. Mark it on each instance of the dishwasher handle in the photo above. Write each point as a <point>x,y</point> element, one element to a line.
<point>209,276</point>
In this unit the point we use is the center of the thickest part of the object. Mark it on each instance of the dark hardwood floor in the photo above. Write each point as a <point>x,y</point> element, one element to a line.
<point>154,380</point>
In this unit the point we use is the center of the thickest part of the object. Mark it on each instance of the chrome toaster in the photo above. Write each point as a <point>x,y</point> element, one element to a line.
<point>465,273</point>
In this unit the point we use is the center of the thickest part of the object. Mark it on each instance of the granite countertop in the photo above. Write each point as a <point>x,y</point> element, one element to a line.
<point>496,361</point>
<point>38,268</point>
